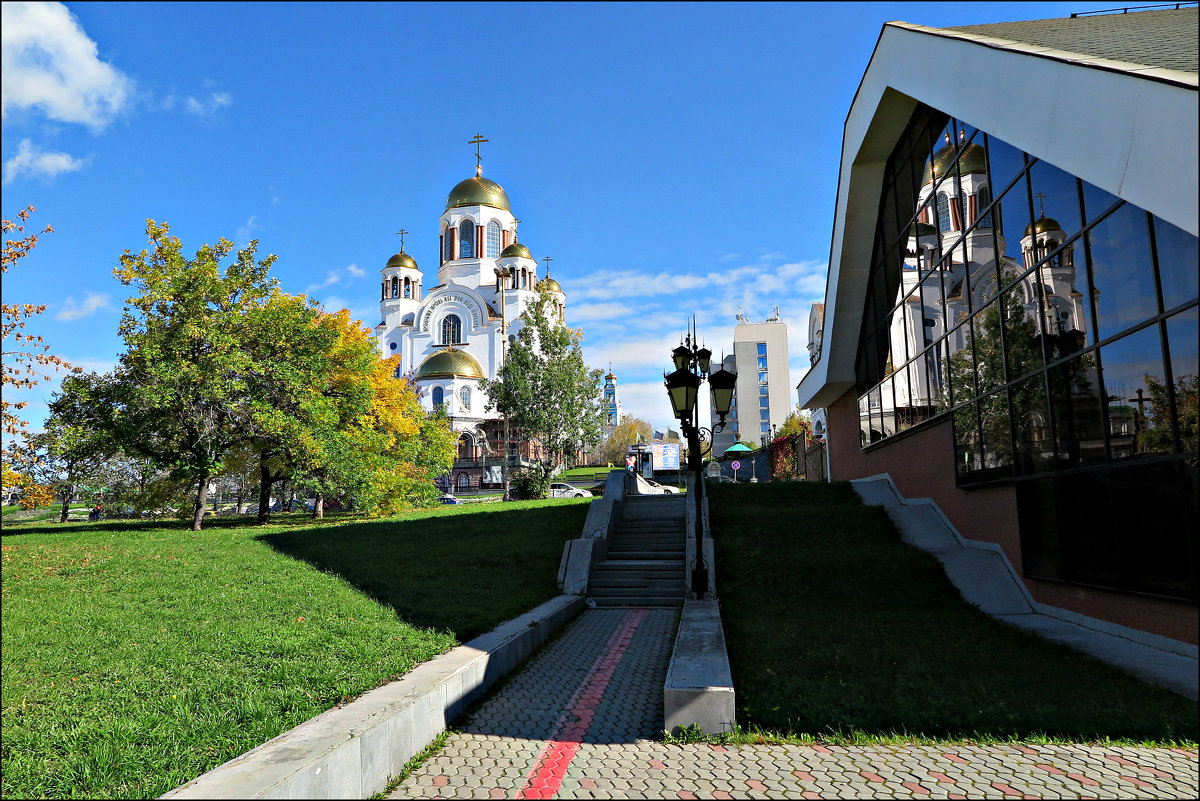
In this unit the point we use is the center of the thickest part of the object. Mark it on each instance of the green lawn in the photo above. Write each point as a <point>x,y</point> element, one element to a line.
<point>839,631</point>
<point>138,655</point>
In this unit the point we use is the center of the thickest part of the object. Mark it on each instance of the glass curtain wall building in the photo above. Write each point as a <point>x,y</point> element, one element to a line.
<point>1056,325</point>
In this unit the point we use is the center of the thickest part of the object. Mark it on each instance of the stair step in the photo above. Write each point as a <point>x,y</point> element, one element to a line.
<point>639,601</point>
<point>639,564</point>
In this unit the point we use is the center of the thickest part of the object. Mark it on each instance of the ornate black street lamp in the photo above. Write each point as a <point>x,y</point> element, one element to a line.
<point>691,368</point>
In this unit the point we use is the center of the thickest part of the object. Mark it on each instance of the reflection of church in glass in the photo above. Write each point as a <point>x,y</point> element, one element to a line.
<point>453,336</point>
<point>946,274</point>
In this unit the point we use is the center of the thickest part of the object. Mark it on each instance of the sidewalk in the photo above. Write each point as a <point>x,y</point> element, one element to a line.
<point>584,720</point>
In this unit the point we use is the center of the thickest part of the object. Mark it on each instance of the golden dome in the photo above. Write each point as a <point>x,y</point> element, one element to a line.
<point>516,249</point>
<point>404,260</point>
<point>449,363</point>
<point>477,191</point>
<point>973,159</point>
<point>1043,225</point>
<point>550,284</point>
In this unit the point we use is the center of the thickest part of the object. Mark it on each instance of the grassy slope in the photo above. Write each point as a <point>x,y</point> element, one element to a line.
<point>836,629</point>
<point>137,656</point>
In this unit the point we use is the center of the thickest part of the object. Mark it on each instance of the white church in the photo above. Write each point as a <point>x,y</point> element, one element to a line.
<point>453,335</point>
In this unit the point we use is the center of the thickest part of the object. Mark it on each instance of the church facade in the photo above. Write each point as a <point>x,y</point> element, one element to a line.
<point>453,335</point>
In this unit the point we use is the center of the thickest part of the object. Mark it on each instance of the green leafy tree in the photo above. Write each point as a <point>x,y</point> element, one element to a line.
<point>67,456</point>
<point>178,396</point>
<point>630,431</point>
<point>1157,435</point>
<point>545,390</point>
<point>796,424</point>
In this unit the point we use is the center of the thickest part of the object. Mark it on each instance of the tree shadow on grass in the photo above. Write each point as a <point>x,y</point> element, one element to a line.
<point>461,570</point>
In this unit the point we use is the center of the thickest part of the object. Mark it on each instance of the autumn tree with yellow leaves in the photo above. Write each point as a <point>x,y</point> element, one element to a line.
<point>26,357</point>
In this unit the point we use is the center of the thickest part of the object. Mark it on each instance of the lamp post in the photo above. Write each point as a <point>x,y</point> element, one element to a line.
<point>691,368</point>
<point>503,274</point>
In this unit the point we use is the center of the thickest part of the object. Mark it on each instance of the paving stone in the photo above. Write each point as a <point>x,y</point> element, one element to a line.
<point>586,715</point>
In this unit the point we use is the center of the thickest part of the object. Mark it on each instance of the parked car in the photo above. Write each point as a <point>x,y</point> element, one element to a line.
<point>663,488</point>
<point>450,500</point>
<point>567,491</point>
<point>719,480</point>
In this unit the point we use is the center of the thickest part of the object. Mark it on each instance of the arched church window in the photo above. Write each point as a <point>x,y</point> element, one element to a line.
<point>943,214</point>
<point>395,287</point>
<point>464,395</point>
<point>982,198</point>
<point>451,329</point>
<point>408,287</point>
<point>493,239</point>
<point>448,245</point>
<point>439,397</point>
<point>464,482</point>
<point>466,239</point>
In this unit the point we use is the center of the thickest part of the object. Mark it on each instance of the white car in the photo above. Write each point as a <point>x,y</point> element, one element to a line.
<point>663,488</point>
<point>567,491</point>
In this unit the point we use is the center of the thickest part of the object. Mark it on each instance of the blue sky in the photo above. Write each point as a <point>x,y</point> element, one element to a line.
<point>673,159</point>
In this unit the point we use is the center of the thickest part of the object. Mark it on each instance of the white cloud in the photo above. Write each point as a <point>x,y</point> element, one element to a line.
<point>246,232</point>
<point>33,161</point>
<point>92,303</point>
<point>206,107</point>
<point>49,63</point>
<point>336,277</point>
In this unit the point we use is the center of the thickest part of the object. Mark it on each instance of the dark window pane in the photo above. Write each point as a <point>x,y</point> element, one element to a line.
<point>1023,349</point>
<point>960,366</point>
<point>1096,202</point>
<point>989,351</point>
<point>1178,264</point>
<point>1182,332</point>
<point>1005,162</point>
<point>864,422</point>
<point>1038,512</point>
<point>1055,198</point>
<point>1065,308</point>
<point>1153,501</point>
<point>997,435</point>
<point>1031,426</point>
<point>937,365</point>
<point>887,408</point>
<point>967,457</point>
<point>1129,365</point>
<point>1121,269</point>
<point>1075,400</point>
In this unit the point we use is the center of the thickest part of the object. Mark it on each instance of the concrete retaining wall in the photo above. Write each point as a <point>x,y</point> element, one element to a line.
<point>355,750</point>
<point>699,686</point>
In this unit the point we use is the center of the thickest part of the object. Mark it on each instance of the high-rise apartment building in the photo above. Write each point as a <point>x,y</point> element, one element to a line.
<point>761,399</point>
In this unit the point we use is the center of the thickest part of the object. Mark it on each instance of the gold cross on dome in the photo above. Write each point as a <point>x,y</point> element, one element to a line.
<point>1041,196</point>
<point>478,158</point>
<point>401,234</point>
<point>547,259</point>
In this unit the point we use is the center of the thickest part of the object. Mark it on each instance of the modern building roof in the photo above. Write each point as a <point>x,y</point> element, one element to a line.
<point>1150,38</point>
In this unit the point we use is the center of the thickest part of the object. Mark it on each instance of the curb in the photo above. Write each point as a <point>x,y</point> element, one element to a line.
<point>355,750</point>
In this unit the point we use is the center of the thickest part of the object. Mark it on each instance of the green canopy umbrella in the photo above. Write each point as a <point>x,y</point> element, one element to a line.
<point>735,449</point>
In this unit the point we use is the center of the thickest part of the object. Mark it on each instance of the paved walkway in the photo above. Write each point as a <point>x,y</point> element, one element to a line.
<point>584,720</point>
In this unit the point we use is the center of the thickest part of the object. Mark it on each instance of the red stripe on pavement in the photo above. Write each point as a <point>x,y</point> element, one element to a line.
<point>547,773</point>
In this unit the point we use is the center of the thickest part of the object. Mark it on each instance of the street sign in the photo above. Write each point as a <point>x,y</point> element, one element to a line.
<point>736,464</point>
<point>630,461</point>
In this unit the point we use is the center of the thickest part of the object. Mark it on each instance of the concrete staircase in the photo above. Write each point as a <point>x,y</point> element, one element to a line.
<point>645,563</point>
